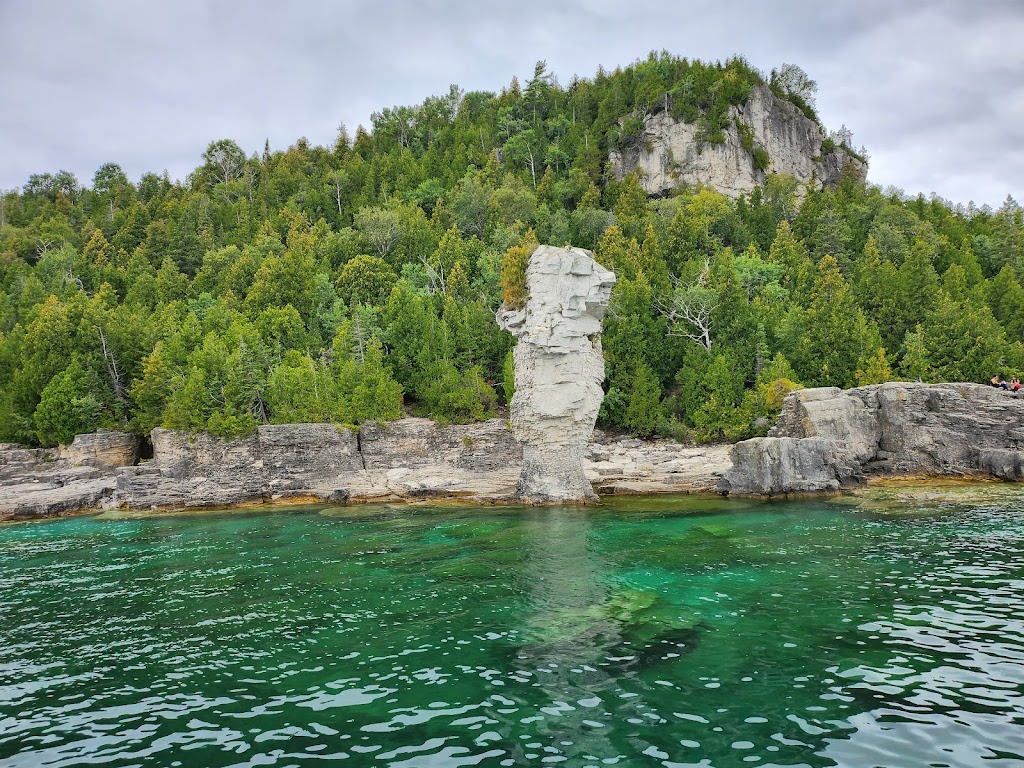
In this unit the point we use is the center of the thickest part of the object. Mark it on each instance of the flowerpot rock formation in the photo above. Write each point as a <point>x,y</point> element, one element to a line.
<point>558,371</point>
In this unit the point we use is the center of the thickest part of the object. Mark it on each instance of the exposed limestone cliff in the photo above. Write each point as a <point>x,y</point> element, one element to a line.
<point>669,153</point>
<point>102,449</point>
<point>840,438</point>
<point>405,460</point>
<point>558,371</point>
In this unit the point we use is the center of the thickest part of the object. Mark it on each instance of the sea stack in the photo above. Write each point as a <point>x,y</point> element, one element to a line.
<point>559,369</point>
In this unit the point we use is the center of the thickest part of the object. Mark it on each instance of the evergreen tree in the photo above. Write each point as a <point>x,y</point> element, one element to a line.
<point>68,406</point>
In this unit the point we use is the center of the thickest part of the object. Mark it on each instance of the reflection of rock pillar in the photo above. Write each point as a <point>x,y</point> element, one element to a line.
<point>559,369</point>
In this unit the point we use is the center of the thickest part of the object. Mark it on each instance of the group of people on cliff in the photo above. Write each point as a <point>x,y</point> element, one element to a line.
<point>1013,385</point>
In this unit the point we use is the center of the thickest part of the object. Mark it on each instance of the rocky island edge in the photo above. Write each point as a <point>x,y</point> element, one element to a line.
<point>826,440</point>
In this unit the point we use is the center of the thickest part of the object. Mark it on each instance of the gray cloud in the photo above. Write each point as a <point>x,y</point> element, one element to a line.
<point>934,90</point>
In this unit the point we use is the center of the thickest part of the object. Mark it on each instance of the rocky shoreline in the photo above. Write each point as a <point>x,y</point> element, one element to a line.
<point>408,460</point>
<point>826,440</point>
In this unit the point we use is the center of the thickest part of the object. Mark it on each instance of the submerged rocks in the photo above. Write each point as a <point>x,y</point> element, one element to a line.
<point>559,369</point>
<point>898,428</point>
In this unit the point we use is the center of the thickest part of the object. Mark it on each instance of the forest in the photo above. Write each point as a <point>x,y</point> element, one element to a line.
<point>359,281</point>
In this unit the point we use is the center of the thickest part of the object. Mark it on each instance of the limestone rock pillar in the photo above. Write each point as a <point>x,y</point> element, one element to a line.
<point>559,369</point>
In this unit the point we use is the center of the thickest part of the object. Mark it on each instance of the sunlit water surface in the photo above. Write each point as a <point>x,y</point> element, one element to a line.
<point>657,632</point>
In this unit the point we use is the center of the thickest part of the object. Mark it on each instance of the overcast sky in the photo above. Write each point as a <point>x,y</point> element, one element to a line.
<point>934,89</point>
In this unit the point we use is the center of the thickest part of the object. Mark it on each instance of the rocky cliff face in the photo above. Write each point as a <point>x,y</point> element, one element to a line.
<point>670,155</point>
<point>405,460</point>
<point>835,438</point>
<point>558,371</point>
<point>102,449</point>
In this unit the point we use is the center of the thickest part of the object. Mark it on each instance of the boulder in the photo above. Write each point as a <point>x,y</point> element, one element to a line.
<point>559,369</point>
<point>102,449</point>
<point>770,466</point>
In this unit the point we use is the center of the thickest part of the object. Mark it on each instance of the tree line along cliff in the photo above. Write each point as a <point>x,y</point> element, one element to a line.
<point>349,283</point>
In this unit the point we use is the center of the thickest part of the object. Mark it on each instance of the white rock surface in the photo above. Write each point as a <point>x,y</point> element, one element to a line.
<point>558,371</point>
<point>670,155</point>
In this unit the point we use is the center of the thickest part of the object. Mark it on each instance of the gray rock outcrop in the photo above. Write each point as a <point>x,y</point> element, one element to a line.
<point>41,482</point>
<point>768,466</point>
<point>400,460</point>
<point>559,369</point>
<point>102,449</point>
<point>404,460</point>
<point>893,429</point>
<point>669,153</point>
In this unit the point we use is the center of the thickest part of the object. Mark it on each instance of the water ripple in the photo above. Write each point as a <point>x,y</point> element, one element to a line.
<point>775,635</point>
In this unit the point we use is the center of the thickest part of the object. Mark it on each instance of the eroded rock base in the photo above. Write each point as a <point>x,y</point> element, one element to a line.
<point>554,475</point>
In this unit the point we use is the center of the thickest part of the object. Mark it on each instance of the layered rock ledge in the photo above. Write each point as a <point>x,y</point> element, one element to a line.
<point>827,438</point>
<point>45,482</point>
<point>406,460</point>
<point>402,461</point>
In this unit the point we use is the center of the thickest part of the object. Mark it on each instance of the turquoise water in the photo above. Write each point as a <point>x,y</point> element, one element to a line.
<point>660,632</point>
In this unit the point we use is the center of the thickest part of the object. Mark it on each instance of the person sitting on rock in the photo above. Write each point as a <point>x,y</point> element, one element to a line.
<point>1015,384</point>
<point>995,380</point>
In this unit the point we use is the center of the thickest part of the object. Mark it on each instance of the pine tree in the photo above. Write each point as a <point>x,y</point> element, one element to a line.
<point>644,410</point>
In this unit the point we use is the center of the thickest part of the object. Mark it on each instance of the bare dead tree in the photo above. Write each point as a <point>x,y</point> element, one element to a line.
<point>43,246</point>
<point>690,306</point>
<point>258,408</point>
<point>436,275</point>
<point>68,278</point>
<point>114,372</point>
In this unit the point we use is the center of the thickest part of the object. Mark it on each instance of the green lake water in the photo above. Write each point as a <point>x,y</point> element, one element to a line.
<point>651,632</point>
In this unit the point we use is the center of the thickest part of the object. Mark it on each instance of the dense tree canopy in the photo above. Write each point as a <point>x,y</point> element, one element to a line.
<point>344,283</point>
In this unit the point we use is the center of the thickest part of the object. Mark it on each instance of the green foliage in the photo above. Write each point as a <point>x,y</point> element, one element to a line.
<point>347,283</point>
<point>644,412</point>
<point>508,377</point>
<point>792,83</point>
<point>762,161</point>
<point>513,271</point>
<point>366,280</point>
<point>68,406</point>
<point>874,369</point>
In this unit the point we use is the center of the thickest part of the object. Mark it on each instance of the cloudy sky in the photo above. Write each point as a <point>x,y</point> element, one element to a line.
<point>934,89</point>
